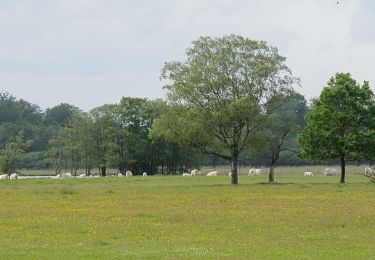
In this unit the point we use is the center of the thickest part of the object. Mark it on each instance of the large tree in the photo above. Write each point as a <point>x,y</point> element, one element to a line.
<point>340,124</point>
<point>216,96</point>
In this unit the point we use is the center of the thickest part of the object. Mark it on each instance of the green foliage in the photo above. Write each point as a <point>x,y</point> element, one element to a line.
<point>18,111</point>
<point>340,124</point>
<point>284,117</point>
<point>216,97</point>
<point>14,148</point>
<point>60,115</point>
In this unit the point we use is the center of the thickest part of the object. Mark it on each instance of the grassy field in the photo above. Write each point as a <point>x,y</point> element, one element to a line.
<point>176,217</point>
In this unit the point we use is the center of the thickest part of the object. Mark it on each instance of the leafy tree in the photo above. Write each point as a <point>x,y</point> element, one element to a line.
<point>82,127</point>
<point>12,152</point>
<point>18,111</point>
<point>216,97</point>
<point>286,114</point>
<point>103,130</point>
<point>340,124</point>
<point>60,115</point>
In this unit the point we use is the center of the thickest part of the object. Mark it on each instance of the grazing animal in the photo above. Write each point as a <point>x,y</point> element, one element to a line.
<point>81,176</point>
<point>194,172</point>
<point>4,177</point>
<point>255,172</point>
<point>330,172</point>
<point>229,173</point>
<point>308,174</point>
<point>185,174</point>
<point>58,176</point>
<point>66,175</point>
<point>144,174</point>
<point>369,171</point>
<point>214,173</point>
<point>13,176</point>
<point>120,174</point>
<point>128,174</point>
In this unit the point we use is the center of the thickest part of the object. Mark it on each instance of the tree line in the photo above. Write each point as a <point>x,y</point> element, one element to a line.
<point>233,100</point>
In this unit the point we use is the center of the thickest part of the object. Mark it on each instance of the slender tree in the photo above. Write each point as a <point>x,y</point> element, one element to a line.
<point>279,132</point>
<point>11,153</point>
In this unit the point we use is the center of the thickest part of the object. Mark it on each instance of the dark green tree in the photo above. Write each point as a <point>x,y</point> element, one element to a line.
<point>11,153</point>
<point>60,115</point>
<point>340,124</point>
<point>285,117</point>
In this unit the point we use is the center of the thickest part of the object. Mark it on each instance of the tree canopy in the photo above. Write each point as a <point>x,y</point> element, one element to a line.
<point>216,97</point>
<point>340,124</point>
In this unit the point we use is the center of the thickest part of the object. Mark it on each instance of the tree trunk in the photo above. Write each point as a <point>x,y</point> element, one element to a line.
<point>103,170</point>
<point>342,179</point>
<point>271,175</point>
<point>234,177</point>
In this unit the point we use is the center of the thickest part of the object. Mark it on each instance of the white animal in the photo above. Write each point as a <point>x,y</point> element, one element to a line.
<point>13,176</point>
<point>255,172</point>
<point>369,171</point>
<point>194,172</point>
<point>58,176</point>
<point>81,176</point>
<point>128,174</point>
<point>214,173</point>
<point>330,172</point>
<point>4,177</point>
<point>229,173</point>
<point>186,174</point>
<point>66,175</point>
<point>120,175</point>
<point>308,174</point>
<point>144,174</point>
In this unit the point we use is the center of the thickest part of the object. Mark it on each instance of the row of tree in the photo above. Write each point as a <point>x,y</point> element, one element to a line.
<point>232,99</point>
<point>233,94</point>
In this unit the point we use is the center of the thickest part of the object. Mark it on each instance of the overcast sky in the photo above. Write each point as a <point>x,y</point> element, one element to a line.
<point>92,52</point>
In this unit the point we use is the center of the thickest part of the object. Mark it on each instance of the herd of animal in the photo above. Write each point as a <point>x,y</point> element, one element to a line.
<point>257,172</point>
<point>195,172</point>
<point>68,175</point>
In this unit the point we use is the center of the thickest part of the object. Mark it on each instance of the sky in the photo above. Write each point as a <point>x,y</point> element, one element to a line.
<point>92,52</point>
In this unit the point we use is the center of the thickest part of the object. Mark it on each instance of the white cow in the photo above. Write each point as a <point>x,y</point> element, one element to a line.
<point>194,172</point>
<point>369,171</point>
<point>4,177</point>
<point>128,174</point>
<point>330,172</point>
<point>13,176</point>
<point>214,173</point>
<point>144,174</point>
<point>255,172</point>
<point>120,175</point>
<point>308,174</point>
<point>66,175</point>
<point>185,174</point>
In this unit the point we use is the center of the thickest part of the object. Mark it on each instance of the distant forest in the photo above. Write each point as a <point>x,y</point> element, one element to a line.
<point>64,137</point>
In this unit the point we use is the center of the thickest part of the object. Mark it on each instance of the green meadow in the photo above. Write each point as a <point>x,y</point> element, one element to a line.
<point>174,217</point>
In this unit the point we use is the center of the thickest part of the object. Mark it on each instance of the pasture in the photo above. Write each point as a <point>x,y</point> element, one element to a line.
<point>173,217</point>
